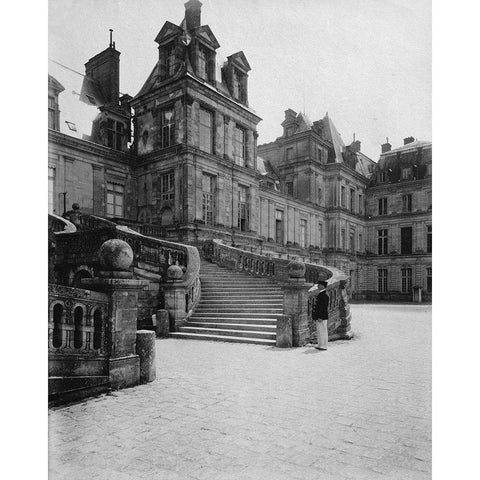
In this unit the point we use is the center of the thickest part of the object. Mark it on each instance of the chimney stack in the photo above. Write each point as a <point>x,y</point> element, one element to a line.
<point>408,140</point>
<point>193,14</point>
<point>386,147</point>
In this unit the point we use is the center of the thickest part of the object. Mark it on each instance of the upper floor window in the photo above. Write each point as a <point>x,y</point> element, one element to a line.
<point>52,113</point>
<point>320,196</point>
<point>206,130</point>
<point>382,206</point>
<point>240,144</point>
<point>429,170</point>
<point>208,198</point>
<point>115,194</point>
<point>289,131</point>
<point>342,197</point>
<point>289,188</point>
<point>243,210</point>
<point>406,240</point>
<point>167,186</point>
<point>279,227</point>
<point>168,127</point>
<point>170,59</point>
<point>382,177</point>
<point>352,199</point>
<point>115,134</point>
<point>406,280</point>
<point>406,173</point>
<point>360,204</point>
<point>319,154</point>
<point>407,203</point>
<point>383,241</point>
<point>343,240</point>
<point>289,153</point>
<point>429,239</point>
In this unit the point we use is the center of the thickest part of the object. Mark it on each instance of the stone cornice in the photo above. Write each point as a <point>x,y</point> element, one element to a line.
<point>90,147</point>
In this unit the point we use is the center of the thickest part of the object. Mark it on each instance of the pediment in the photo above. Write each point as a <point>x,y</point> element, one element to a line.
<point>168,30</point>
<point>240,60</point>
<point>205,34</point>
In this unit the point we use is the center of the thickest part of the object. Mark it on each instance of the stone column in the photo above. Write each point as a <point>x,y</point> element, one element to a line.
<point>116,280</point>
<point>174,291</point>
<point>295,303</point>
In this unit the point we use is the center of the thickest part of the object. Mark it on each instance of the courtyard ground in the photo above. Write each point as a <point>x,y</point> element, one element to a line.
<point>361,410</point>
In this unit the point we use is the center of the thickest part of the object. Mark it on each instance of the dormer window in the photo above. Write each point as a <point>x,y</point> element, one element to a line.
<point>205,61</point>
<point>170,59</point>
<point>382,177</point>
<point>52,113</point>
<point>238,86</point>
<point>115,134</point>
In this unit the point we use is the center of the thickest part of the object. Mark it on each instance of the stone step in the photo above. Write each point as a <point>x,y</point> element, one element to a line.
<point>241,298</point>
<point>233,289</point>
<point>234,326</point>
<point>221,338</point>
<point>241,301</point>
<point>249,309</point>
<point>233,315</point>
<point>228,319</point>
<point>228,332</point>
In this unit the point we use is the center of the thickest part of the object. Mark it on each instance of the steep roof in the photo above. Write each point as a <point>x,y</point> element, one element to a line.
<point>331,133</point>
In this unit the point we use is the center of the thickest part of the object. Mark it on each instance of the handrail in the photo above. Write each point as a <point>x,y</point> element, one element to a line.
<point>57,224</point>
<point>262,265</point>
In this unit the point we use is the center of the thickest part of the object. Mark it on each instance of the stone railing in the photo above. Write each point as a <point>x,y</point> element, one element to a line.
<point>152,257</point>
<point>58,224</point>
<point>77,321</point>
<point>280,270</point>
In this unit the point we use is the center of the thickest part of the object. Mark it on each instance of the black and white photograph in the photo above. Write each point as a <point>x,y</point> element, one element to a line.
<point>240,218</point>
<point>239,239</point>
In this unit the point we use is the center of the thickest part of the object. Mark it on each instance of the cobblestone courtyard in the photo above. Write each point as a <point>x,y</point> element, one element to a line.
<point>360,410</point>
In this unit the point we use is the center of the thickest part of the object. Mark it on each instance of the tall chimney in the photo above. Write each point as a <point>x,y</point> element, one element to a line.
<point>408,140</point>
<point>104,68</point>
<point>193,14</point>
<point>386,147</point>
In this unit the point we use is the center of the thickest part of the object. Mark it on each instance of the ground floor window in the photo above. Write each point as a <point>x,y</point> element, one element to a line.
<point>51,190</point>
<point>208,199</point>
<point>115,194</point>
<point>243,210</point>
<point>429,280</point>
<point>279,226</point>
<point>406,280</point>
<point>303,233</point>
<point>382,280</point>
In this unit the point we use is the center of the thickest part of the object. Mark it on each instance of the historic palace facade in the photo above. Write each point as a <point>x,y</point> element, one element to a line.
<point>181,161</point>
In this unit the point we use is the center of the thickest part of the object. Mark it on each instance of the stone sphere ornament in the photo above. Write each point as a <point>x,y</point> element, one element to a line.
<point>115,255</point>
<point>296,269</point>
<point>174,272</point>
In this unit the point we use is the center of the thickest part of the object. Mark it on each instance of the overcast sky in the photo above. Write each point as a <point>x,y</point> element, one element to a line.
<point>366,62</point>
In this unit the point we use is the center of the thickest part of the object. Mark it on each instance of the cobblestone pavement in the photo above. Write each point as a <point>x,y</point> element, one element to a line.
<point>360,410</point>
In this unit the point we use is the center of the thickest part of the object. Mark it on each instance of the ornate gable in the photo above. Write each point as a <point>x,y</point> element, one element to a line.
<point>205,34</point>
<point>240,60</point>
<point>168,31</point>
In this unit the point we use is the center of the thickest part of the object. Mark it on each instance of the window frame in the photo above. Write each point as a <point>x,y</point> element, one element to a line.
<point>209,203</point>
<point>117,190</point>
<point>240,144</point>
<point>382,280</point>
<point>382,241</point>
<point>167,129</point>
<point>206,131</point>
<point>383,206</point>
<point>406,280</point>
<point>167,186</point>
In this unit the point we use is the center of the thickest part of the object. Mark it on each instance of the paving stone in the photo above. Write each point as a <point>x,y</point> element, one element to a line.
<point>233,411</point>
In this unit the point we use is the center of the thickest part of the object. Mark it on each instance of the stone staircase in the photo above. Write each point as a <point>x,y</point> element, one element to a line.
<point>234,307</point>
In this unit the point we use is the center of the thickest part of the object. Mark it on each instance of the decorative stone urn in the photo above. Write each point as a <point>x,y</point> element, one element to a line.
<point>296,269</point>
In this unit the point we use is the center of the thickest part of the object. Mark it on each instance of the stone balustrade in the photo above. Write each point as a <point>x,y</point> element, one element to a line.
<point>296,302</point>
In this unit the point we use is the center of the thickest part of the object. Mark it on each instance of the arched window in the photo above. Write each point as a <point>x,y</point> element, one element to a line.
<point>78,321</point>
<point>57,325</point>
<point>97,329</point>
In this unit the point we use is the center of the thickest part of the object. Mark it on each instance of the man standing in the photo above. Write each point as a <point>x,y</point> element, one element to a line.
<point>320,313</point>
